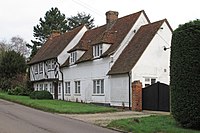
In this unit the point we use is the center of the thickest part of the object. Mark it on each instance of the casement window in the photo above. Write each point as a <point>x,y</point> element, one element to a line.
<point>77,87</point>
<point>67,87</point>
<point>41,67</point>
<point>52,64</point>
<point>51,88</point>
<point>59,87</point>
<point>149,81</point>
<point>41,87</point>
<point>73,57</point>
<point>98,86</point>
<point>37,87</point>
<point>49,65</point>
<point>46,87</point>
<point>97,50</point>
<point>36,68</point>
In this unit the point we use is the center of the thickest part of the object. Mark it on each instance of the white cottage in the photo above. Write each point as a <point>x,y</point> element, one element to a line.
<point>100,64</point>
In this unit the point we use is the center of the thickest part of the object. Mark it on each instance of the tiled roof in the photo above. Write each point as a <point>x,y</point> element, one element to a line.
<point>53,47</point>
<point>109,33</point>
<point>131,54</point>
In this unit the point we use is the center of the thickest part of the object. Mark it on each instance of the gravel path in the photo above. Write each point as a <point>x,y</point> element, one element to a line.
<point>103,119</point>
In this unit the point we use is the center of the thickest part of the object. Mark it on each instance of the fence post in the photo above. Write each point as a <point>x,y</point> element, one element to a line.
<point>136,96</point>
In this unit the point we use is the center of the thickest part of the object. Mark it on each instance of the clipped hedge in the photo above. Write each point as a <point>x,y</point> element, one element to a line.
<point>41,95</point>
<point>185,75</point>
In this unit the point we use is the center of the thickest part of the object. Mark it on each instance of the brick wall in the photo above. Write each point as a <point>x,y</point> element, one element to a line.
<point>137,96</point>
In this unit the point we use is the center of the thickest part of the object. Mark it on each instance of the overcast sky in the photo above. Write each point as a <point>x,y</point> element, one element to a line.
<point>17,17</point>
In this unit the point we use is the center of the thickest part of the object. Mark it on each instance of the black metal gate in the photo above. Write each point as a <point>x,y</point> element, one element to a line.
<point>156,97</point>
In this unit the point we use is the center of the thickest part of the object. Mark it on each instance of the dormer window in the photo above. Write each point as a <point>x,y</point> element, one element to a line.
<point>97,50</point>
<point>73,57</point>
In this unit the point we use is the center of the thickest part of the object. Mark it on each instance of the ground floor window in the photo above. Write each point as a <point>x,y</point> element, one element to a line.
<point>59,87</point>
<point>77,87</point>
<point>98,86</point>
<point>67,87</point>
<point>41,87</point>
<point>51,88</point>
<point>46,87</point>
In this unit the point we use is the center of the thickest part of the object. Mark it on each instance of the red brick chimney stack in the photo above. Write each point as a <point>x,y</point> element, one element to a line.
<point>54,34</point>
<point>111,16</point>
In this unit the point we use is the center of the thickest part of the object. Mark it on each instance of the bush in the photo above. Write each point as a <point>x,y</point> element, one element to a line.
<point>185,75</point>
<point>19,90</point>
<point>41,95</point>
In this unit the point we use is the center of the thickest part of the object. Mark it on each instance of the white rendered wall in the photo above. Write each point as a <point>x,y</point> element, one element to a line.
<point>154,63</point>
<point>119,90</point>
<point>140,21</point>
<point>85,73</point>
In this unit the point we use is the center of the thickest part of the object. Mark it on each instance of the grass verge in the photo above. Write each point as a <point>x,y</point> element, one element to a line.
<point>57,106</point>
<point>151,124</point>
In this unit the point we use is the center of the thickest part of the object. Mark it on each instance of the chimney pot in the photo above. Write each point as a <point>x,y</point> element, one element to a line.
<point>111,16</point>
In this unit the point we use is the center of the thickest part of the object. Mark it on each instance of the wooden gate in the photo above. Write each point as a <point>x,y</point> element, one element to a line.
<point>156,97</point>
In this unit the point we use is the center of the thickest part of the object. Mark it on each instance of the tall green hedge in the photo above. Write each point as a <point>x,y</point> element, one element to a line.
<point>185,75</point>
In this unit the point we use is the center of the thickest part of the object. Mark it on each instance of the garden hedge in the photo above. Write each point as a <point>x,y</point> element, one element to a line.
<point>185,75</point>
<point>41,95</point>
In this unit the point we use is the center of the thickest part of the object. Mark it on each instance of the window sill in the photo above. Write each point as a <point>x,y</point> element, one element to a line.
<point>98,94</point>
<point>67,94</point>
<point>77,94</point>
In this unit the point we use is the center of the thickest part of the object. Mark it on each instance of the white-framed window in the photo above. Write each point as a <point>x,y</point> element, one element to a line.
<point>52,64</point>
<point>46,87</point>
<point>41,87</point>
<point>36,68</point>
<point>49,65</point>
<point>73,57</point>
<point>77,87</point>
<point>36,87</point>
<point>98,86</point>
<point>149,81</point>
<point>67,87</point>
<point>51,88</point>
<point>41,68</point>
<point>59,87</point>
<point>97,50</point>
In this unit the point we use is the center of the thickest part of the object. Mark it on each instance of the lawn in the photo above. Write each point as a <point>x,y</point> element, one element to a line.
<point>57,106</point>
<point>151,124</point>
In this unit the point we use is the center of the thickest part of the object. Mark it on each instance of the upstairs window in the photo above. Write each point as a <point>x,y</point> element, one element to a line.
<point>77,87</point>
<point>73,57</point>
<point>98,86</point>
<point>41,68</point>
<point>53,64</point>
<point>97,50</point>
<point>36,68</point>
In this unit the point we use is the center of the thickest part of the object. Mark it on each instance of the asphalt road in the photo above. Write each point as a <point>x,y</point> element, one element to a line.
<point>16,118</point>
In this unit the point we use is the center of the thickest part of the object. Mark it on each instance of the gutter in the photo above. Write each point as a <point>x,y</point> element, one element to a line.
<point>129,90</point>
<point>61,80</point>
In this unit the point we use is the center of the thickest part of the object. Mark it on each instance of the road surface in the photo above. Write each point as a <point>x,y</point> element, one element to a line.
<point>15,118</point>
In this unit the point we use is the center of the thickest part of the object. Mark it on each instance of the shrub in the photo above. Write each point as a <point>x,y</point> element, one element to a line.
<point>19,90</point>
<point>185,75</point>
<point>41,95</point>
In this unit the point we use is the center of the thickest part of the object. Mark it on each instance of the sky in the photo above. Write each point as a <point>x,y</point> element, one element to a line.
<point>18,17</point>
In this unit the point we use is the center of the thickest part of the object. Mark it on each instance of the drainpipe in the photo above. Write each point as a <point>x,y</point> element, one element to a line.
<point>61,80</point>
<point>129,90</point>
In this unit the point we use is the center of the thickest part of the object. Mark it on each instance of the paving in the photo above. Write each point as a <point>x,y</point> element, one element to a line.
<point>103,119</point>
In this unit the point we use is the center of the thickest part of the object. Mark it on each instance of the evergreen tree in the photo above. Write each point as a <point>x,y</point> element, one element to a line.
<point>53,20</point>
<point>80,19</point>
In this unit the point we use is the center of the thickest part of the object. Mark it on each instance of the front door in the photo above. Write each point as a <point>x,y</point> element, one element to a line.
<point>55,90</point>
